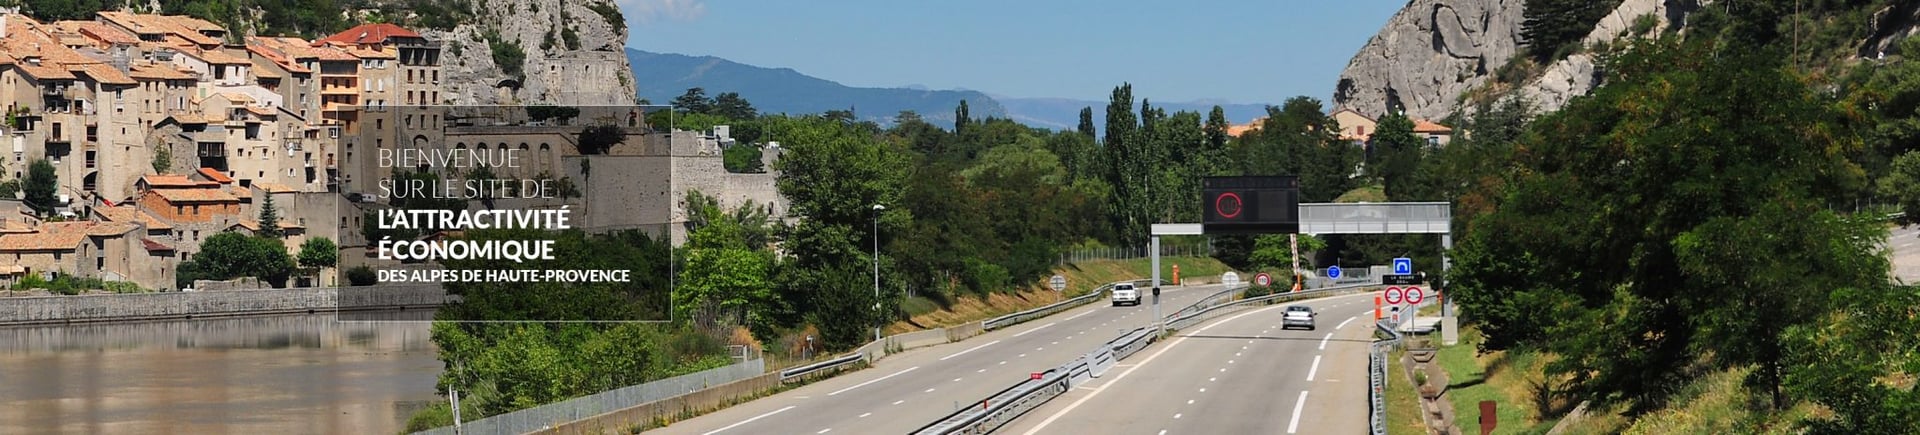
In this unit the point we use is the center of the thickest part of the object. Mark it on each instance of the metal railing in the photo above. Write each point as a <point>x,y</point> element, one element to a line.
<point>1007,404</point>
<point>1050,309</point>
<point>796,372</point>
<point>1377,374</point>
<point>1207,313</point>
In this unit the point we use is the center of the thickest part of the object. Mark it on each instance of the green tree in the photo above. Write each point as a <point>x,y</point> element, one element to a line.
<point>1086,123</point>
<point>41,186</point>
<point>1902,183</point>
<point>961,118</point>
<point>1550,25</point>
<point>598,139</point>
<point>361,276</point>
<point>1274,252</point>
<point>1394,155</point>
<point>162,159</point>
<point>319,253</point>
<point>227,256</point>
<point>834,174</point>
<point>1217,128</point>
<point>743,159</point>
<point>731,106</point>
<point>546,112</point>
<point>1844,361</point>
<point>693,101</point>
<point>270,219</point>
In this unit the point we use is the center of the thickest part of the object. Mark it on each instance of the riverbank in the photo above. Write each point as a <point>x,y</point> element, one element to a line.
<point>142,307</point>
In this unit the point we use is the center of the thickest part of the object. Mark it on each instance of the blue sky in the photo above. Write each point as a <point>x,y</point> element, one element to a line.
<point>1234,51</point>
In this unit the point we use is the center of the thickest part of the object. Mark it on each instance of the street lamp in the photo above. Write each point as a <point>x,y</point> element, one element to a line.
<point>877,208</point>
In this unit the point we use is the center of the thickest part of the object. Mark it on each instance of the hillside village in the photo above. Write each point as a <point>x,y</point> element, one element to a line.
<point>163,132</point>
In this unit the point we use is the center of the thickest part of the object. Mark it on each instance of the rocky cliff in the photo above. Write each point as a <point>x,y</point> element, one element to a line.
<point>1434,51</point>
<point>572,54</point>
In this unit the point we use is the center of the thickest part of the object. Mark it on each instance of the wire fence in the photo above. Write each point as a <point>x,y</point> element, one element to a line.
<point>1203,249</point>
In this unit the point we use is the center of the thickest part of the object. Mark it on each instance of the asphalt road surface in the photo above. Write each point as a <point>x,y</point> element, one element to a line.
<point>1238,374</point>
<point>911,389</point>
<point>1905,245</point>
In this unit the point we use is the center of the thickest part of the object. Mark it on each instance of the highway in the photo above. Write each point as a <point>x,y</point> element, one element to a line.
<point>1904,243</point>
<point>1240,373</point>
<point>910,389</point>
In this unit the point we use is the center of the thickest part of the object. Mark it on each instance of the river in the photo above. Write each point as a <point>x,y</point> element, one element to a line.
<point>292,374</point>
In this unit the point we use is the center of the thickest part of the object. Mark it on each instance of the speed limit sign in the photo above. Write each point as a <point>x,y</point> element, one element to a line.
<point>1393,295</point>
<point>1415,295</point>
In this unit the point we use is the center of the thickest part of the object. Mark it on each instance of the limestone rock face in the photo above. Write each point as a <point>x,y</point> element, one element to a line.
<point>1428,54</point>
<point>1432,51</point>
<point>596,73</point>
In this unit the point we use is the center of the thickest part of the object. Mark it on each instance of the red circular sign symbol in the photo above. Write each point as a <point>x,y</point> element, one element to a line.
<point>1393,295</point>
<point>1415,295</point>
<point>1263,279</point>
<point>1227,205</point>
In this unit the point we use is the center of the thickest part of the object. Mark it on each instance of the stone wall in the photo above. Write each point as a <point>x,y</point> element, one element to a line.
<point>187,305</point>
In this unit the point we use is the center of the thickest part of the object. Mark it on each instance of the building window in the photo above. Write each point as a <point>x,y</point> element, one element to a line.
<point>1433,141</point>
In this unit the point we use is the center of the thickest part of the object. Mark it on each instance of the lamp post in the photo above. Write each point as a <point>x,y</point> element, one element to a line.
<point>877,208</point>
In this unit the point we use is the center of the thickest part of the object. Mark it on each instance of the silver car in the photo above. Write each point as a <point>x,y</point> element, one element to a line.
<point>1298,315</point>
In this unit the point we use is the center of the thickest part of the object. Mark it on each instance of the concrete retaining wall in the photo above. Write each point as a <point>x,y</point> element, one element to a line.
<point>966,331</point>
<point>619,421</point>
<point>188,305</point>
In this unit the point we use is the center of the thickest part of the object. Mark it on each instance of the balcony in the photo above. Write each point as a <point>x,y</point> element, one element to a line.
<point>340,107</point>
<point>340,90</point>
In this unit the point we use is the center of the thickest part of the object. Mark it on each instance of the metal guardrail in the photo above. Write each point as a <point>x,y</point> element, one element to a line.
<point>796,372</point>
<point>1006,405</point>
<point>1049,309</point>
<point>1377,374</point>
<point>1210,312</point>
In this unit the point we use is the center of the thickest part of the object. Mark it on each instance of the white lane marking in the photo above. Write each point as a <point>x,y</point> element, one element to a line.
<point>1176,416</point>
<point>1223,369</point>
<point>897,402</point>
<point>1023,355</point>
<point>1163,432</point>
<point>1189,401</point>
<point>824,430</point>
<point>865,415</point>
<point>1229,361</point>
<point>1212,379</point>
<point>1323,341</point>
<point>1034,329</point>
<point>1003,363</point>
<point>1123,375</point>
<point>1236,354</point>
<point>1314,369</point>
<point>929,390</point>
<point>1344,324</point>
<point>750,420</point>
<point>1056,342</point>
<point>882,378</point>
<point>956,379</point>
<point>1076,316</point>
<point>964,352</point>
<point>981,371</point>
<point>1294,426</point>
<point>805,397</point>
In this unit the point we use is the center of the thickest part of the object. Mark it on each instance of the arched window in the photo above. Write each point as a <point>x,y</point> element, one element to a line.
<point>461,145</point>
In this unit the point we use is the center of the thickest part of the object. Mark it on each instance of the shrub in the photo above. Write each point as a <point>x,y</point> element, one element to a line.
<point>361,276</point>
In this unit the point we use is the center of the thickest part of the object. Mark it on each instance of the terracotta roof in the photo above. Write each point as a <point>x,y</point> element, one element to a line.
<point>194,195</point>
<point>45,71</point>
<point>158,72</point>
<point>152,245</point>
<point>105,229</point>
<point>129,214</point>
<point>195,24</point>
<point>168,180</point>
<point>1425,126</point>
<point>188,118</point>
<point>105,33</point>
<point>63,241</point>
<point>368,54</point>
<point>260,70</point>
<point>264,112</point>
<point>215,175</point>
<point>103,73</point>
<point>217,57</point>
<point>248,224</point>
<point>330,54</point>
<point>371,34</point>
<point>132,22</point>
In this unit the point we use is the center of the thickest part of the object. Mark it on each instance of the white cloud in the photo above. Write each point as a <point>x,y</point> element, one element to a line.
<point>648,11</point>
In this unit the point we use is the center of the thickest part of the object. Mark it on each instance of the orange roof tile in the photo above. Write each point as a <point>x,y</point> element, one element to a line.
<point>274,187</point>
<point>371,34</point>
<point>1425,126</point>
<point>217,57</point>
<point>42,241</point>
<point>168,180</point>
<point>129,214</point>
<point>368,54</point>
<point>152,245</point>
<point>158,72</point>
<point>105,33</point>
<point>103,73</point>
<point>215,175</point>
<point>194,195</point>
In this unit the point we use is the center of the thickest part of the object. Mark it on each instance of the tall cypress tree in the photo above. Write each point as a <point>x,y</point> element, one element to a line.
<point>1086,122</point>
<point>961,118</point>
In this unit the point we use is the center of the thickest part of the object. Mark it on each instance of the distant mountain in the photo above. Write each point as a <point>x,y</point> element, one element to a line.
<point>663,76</point>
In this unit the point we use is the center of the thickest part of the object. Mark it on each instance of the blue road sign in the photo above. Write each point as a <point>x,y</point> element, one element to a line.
<point>1333,272</point>
<point>1403,266</point>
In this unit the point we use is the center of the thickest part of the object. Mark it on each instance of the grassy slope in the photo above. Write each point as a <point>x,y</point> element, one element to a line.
<point>1403,402</point>
<point>1509,379</point>
<point>1082,277</point>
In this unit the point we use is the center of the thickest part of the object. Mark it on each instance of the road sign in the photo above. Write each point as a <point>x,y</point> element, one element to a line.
<point>1415,295</point>
<point>1262,279</point>
<point>1396,315</point>
<point>1403,266</point>
<point>1230,278</point>
<point>1393,295</point>
<point>1058,282</point>
<point>1333,272</point>
<point>1400,279</point>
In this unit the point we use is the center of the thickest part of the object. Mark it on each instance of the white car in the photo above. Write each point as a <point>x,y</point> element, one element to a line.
<point>1298,315</point>
<point>1125,293</point>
